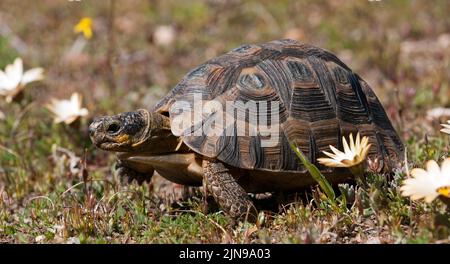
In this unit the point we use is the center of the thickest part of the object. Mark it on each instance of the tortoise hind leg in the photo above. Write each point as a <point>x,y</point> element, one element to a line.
<point>230,196</point>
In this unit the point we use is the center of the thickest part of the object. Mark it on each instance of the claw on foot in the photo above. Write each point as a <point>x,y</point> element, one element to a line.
<point>130,174</point>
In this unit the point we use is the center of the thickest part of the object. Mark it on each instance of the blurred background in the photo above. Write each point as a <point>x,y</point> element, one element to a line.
<point>140,49</point>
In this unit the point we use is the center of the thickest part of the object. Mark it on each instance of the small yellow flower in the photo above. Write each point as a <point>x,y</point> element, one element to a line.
<point>429,183</point>
<point>352,155</point>
<point>14,79</point>
<point>67,111</point>
<point>84,26</point>
<point>446,128</point>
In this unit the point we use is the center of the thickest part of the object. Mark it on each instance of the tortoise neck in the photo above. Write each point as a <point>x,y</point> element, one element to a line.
<point>158,137</point>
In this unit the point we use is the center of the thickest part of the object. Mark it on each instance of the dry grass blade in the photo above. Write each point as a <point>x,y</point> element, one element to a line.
<point>41,197</point>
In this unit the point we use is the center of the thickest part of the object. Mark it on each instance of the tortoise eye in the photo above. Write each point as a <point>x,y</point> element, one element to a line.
<point>252,81</point>
<point>113,128</point>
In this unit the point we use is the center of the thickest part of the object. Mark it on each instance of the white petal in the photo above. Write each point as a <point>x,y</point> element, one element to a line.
<point>445,125</point>
<point>364,142</point>
<point>6,83</point>
<point>444,130</point>
<point>330,162</point>
<point>358,141</point>
<point>352,143</point>
<point>336,151</point>
<point>83,112</point>
<point>419,187</point>
<point>75,98</point>
<point>70,119</point>
<point>58,120</point>
<point>445,168</point>
<point>346,148</point>
<point>67,111</point>
<point>329,154</point>
<point>425,184</point>
<point>433,169</point>
<point>364,151</point>
<point>339,155</point>
<point>14,71</point>
<point>418,172</point>
<point>32,75</point>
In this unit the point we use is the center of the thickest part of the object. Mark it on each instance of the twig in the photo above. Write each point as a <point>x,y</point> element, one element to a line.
<point>406,162</point>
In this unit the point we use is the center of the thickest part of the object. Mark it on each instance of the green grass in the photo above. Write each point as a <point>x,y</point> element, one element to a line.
<point>44,200</point>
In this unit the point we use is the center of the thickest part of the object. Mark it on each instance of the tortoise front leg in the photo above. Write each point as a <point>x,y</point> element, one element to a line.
<point>230,196</point>
<point>130,174</point>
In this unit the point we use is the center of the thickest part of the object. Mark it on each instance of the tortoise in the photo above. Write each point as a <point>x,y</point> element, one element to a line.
<point>318,100</point>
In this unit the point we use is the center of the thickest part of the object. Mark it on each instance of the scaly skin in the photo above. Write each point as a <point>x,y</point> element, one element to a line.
<point>128,174</point>
<point>230,196</point>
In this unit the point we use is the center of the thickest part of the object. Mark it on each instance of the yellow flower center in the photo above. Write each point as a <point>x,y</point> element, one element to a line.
<point>444,191</point>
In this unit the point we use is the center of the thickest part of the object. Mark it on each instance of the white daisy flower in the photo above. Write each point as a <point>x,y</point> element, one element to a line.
<point>446,128</point>
<point>429,183</point>
<point>352,155</point>
<point>67,111</point>
<point>13,79</point>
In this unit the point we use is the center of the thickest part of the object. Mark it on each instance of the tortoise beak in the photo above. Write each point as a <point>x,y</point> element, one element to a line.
<point>104,130</point>
<point>93,127</point>
<point>96,132</point>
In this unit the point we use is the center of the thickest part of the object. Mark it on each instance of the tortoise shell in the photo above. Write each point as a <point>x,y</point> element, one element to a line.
<point>320,100</point>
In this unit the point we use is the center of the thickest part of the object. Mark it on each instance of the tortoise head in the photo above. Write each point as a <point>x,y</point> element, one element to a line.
<point>125,132</point>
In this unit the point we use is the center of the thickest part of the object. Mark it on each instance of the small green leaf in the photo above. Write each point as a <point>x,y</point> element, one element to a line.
<point>315,173</point>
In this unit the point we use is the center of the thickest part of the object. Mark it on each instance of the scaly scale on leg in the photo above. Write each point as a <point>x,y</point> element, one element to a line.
<point>231,197</point>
